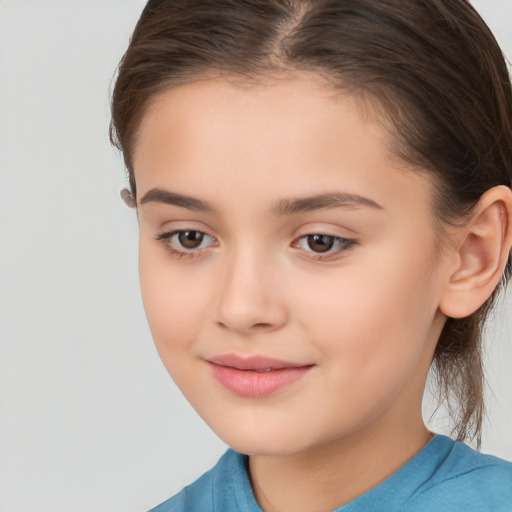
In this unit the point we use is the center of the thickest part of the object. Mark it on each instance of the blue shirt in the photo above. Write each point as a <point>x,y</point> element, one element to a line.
<point>445,476</point>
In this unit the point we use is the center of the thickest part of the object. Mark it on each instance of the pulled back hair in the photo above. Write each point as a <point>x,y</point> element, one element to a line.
<point>432,67</point>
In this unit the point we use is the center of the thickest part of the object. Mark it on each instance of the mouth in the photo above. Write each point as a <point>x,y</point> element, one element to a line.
<point>255,376</point>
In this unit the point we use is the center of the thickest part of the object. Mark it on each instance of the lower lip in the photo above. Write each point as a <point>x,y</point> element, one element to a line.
<point>255,384</point>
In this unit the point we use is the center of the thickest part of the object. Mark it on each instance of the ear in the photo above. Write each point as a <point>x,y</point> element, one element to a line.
<point>483,247</point>
<point>128,198</point>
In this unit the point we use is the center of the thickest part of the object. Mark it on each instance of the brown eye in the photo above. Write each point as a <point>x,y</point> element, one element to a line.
<point>325,247</point>
<point>320,243</point>
<point>186,243</point>
<point>190,239</point>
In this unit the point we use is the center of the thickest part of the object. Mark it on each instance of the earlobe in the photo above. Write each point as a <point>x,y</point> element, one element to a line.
<point>483,248</point>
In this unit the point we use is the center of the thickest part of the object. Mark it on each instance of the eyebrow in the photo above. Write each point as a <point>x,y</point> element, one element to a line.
<point>159,195</point>
<point>321,201</point>
<point>281,208</point>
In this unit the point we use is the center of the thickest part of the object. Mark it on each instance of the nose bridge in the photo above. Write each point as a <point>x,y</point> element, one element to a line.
<point>249,294</point>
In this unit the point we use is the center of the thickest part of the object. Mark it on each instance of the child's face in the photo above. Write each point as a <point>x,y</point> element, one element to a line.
<point>354,312</point>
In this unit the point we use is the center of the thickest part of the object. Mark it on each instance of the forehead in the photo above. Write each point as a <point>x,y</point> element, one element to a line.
<point>283,108</point>
<point>284,135</point>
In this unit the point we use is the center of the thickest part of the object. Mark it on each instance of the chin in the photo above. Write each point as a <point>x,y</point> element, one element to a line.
<point>253,440</point>
<point>262,447</point>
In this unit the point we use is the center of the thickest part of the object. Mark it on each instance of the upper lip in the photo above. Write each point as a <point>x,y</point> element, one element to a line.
<point>253,362</point>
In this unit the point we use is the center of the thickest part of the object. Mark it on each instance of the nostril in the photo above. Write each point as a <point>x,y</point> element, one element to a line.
<point>261,326</point>
<point>258,326</point>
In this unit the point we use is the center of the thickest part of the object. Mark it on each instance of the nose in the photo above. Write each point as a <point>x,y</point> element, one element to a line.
<point>251,295</point>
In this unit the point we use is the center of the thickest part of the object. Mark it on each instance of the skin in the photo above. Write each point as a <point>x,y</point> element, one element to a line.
<point>367,317</point>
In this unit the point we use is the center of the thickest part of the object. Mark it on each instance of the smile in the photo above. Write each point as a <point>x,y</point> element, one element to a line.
<point>256,376</point>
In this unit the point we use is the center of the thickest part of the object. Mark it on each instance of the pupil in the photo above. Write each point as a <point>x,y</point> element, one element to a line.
<point>320,243</point>
<point>190,239</point>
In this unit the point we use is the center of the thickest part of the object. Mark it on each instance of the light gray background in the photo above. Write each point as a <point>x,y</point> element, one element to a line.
<point>89,419</point>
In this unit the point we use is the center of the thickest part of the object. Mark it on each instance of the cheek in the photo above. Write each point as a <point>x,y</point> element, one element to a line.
<point>173,303</point>
<point>372,317</point>
<point>371,331</point>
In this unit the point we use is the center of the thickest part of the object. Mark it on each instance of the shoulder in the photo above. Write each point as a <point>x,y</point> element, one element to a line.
<point>196,496</point>
<point>204,494</point>
<point>471,481</point>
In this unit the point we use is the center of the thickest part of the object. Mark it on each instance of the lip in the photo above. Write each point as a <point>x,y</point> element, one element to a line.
<point>255,376</point>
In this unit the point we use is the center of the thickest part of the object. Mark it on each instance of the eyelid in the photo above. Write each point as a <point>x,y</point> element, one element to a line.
<point>169,235</point>
<point>325,228</point>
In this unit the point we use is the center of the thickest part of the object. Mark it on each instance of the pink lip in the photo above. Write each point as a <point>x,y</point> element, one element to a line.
<point>255,376</point>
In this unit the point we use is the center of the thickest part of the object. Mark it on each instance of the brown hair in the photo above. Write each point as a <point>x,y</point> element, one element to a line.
<point>432,66</point>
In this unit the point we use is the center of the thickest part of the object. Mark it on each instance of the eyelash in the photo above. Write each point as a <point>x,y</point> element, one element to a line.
<point>166,239</point>
<point>344,245</point>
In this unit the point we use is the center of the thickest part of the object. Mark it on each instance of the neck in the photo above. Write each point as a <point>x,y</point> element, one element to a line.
<point>326,477</point>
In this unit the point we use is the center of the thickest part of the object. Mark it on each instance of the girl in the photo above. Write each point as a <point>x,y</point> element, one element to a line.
<point>323,194</point>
